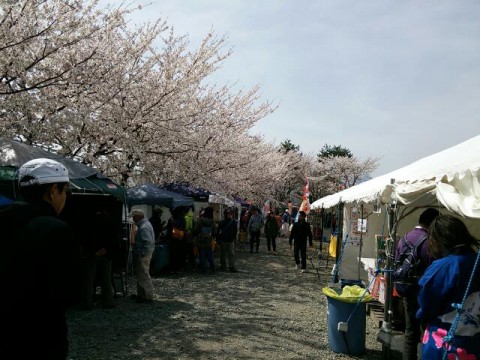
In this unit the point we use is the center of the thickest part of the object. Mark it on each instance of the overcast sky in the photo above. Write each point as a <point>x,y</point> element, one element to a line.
<point>399,80</point>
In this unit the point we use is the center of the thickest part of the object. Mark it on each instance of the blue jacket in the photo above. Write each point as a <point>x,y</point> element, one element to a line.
<point>444,283</point>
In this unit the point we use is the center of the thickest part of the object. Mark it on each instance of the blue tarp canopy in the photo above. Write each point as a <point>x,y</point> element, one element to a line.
<point>151,194</point>
<point>187,190</point>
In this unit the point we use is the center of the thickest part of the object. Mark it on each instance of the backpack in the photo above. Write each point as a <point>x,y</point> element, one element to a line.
<point>206,231</point>
<point>406,269</point>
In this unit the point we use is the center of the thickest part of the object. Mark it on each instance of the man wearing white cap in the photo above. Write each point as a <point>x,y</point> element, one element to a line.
<point>143,251</point>
<point>37,263</point>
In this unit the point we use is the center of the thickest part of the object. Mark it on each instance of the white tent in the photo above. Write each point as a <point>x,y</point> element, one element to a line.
<point>221,199</point>
<point>450,177</point>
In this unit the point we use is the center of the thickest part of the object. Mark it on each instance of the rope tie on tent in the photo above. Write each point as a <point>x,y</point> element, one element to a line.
<point>448,339</point>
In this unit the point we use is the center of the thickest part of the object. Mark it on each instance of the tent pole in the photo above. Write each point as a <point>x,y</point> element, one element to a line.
<point>339,238</point>
<point>387,315</point>
<point>361,241</point>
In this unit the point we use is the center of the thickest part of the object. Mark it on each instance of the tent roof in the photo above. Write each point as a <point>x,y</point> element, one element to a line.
<point>221,199</point>
<point>151,194</point>
<point>84,178</point>
<point>450,176</point>
<point>187,190</point>
<point>14,153</point>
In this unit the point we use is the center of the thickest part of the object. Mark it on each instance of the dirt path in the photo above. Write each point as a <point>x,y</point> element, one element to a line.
<point>268,310</point>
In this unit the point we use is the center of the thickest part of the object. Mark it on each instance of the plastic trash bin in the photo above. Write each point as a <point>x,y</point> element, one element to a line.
<point>345,282</point>
<point>347,320</point>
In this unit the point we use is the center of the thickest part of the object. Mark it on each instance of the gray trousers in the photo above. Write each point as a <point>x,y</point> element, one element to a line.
<point>142,272</point>
<point>227,252</point>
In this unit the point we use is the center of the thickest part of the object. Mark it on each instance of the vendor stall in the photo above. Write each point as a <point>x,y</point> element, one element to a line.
<point>374,214</point>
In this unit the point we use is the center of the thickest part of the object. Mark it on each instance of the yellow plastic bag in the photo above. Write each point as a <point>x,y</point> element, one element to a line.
<point>332,249</point>
<point>349,294</point>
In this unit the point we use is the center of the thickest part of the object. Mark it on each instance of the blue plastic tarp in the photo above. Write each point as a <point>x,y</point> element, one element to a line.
<point>151,194</point>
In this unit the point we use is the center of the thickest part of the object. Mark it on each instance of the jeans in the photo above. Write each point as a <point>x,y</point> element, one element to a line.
<point>254,238</point>
<point>206,252</point>
<point>271,240</point>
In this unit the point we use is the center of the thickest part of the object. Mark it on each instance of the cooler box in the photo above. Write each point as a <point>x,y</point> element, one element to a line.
<point>161,259</point>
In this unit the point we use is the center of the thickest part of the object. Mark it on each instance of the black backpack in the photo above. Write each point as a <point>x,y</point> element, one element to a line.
<point>407,268</point>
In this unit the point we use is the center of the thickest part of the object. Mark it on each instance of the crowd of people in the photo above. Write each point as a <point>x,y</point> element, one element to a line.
<point>40,255</point>
<point>191,242</point>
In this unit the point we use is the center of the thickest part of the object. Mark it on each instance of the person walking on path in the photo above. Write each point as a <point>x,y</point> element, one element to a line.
<point>142,255</point>
<point>253,228</point>
<point>271,232</point>
<point>226,235</point>
<point>300,232</point>
<point>410,301</point>
<point>38,261</point>
<point>285,223</point>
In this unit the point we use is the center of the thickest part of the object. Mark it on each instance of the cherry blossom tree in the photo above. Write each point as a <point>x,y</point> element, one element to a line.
<point>335,173</point>
<point>76,80</point>
<point>136,102</point>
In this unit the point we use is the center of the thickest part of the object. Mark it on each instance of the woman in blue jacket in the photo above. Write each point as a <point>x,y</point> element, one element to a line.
<point>445,283</point>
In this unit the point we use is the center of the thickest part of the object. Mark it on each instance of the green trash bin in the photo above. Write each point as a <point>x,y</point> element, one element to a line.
<point>347,319</point>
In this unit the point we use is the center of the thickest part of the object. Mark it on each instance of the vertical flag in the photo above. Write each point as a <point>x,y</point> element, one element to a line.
<point>305,206</point>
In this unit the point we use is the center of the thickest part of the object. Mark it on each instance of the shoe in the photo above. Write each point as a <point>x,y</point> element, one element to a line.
<point>304,271</point>
<point>274,252</point>
<point>143,301</point>
<point>297,266</point>
<point>134,297</point>
<point>223,268</point>
<point>233,270</point>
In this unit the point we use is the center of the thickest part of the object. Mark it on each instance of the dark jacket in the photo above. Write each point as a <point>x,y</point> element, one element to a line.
<point>271,227</point>
<point>204,232</point>
<point>300,232</point>
<point>104,234</point>
<point>38,261</point>
<point>157,224</point>
<point>227,230</point>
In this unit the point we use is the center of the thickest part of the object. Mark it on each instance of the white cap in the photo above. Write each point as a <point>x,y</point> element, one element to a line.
<point>136,212</point>
<point>42,171</point>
